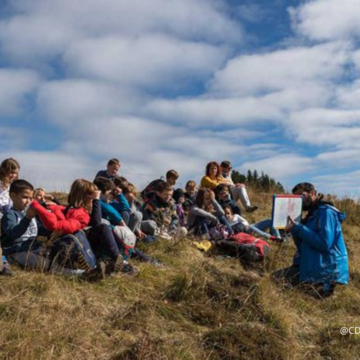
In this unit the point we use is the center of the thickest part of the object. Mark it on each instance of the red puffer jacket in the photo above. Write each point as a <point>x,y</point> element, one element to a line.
<point>55,220</point>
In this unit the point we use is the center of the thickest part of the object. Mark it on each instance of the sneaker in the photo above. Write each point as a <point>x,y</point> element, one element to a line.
<point>148,239</point>
<point>156,263</point>
<point>166,236</point>
<point>129,269</point>
<point>181,233</point>
<point>277,239</point>
<point>251,209</point>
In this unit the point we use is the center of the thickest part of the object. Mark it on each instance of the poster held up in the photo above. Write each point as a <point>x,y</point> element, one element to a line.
<point>285,206</point>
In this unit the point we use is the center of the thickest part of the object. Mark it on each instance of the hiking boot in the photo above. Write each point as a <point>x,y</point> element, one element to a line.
<point>6,271</point>
<point>251,208</point>
<point>100,270</point>
<point>118,264</point>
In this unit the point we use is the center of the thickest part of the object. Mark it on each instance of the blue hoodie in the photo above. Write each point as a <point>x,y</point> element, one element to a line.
<point>322,254</point>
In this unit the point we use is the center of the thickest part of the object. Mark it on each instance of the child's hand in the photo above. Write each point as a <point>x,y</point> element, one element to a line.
<point>30,213</point>
<point>122,223</point>
<point>96,195</point>
<point>239,185</point>
<point>140,234</point>
<point>117,191</point>
<point>49,197</point>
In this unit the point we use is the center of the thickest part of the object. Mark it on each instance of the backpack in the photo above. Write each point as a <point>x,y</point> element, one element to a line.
<point>219,232</point>
<point>126,239</point>
<point>247,247</point>
<point>149,191</point>
<point>74,251</point>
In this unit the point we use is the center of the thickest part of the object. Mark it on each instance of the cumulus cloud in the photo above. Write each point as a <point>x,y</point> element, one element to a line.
<point>343,184</point>
<point>54,170</point>
<point>326,127</point>
<point>15,85</point>
<point>144,61</point>
<point>66,22</point>
<point>327,19</point>
<point>282,166</point>
<point>263,73</point>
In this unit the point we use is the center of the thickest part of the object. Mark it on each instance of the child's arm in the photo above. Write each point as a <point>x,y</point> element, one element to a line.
<point>96,215</point>
<point>196,211</point>
<point>112,215</point>
<point>12,228</point>
<point>218,210</point>
<point>55,221</point>
<point>123,203</point>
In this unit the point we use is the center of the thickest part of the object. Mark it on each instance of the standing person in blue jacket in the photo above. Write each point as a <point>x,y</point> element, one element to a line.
<point>321,258</point>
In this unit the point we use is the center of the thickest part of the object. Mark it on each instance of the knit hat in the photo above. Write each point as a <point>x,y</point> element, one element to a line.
<point>178,193</point>
<point>304,186</point>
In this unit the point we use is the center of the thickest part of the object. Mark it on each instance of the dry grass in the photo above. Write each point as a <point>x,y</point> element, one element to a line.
<point>198,306</point>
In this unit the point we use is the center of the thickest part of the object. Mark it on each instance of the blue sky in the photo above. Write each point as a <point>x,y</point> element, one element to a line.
<point>160,84</point>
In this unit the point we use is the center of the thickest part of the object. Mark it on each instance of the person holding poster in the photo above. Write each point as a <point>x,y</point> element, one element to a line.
<point>321,258</point>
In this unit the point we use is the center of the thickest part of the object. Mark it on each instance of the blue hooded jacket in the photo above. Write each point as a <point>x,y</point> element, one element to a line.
<point>322,254</point>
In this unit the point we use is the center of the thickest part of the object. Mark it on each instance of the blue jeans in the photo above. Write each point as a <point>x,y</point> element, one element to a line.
<point>260,227</point>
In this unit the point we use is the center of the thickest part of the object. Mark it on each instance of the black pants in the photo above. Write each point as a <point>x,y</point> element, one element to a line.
<point>102,241</point>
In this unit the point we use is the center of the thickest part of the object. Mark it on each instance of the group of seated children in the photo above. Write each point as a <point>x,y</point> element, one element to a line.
<point>104,219</point>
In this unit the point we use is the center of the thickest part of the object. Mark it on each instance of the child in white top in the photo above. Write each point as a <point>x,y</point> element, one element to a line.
<point>239,224</point>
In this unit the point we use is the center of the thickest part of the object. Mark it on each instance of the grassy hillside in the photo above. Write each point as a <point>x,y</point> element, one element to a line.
<point>198,306</point>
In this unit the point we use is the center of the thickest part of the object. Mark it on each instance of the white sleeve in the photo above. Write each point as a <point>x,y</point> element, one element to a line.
<point>240,219</point>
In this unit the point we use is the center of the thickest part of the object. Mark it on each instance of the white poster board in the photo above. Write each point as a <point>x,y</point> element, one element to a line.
<point>285,206</point>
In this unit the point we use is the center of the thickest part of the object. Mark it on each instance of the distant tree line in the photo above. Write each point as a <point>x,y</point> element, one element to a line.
<point>262,183</point>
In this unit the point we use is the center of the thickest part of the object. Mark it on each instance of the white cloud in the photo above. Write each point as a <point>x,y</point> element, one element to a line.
<point>340,159</point>
<point>147,60</point>
<point>282,167</point>
<point>14,86</point>
<point>67,101</point>
<point>326,127</point>
<point>342,184</point>
<point>327,19</point>
<point>54,170</point>
<point>289,68</point>
<point>25,39</point>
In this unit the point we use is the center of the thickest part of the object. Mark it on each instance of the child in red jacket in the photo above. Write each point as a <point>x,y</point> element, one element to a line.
<point>83,211</point>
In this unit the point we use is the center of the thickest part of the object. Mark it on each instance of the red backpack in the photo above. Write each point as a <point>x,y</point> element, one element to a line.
<point>247,247</point>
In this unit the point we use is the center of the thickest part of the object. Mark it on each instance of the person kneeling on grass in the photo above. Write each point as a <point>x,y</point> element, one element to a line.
<point>321,259</point>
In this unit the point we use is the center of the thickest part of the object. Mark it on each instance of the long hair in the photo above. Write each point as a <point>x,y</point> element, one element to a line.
<point>209,165</point>
<point>6,167</point>
<point>199,201</point>
<point>81,194</point>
